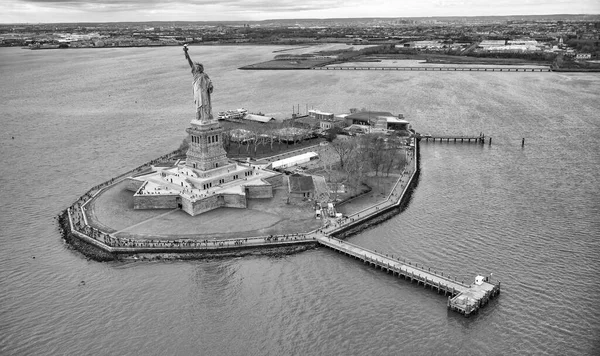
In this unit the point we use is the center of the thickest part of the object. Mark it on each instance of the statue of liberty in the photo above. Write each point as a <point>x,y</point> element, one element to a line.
<point>202,89</point>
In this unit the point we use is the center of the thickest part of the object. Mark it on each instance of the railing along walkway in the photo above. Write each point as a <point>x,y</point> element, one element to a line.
<point>425,276</point>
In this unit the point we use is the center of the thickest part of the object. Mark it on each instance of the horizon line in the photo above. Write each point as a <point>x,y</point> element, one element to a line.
<point>305,19</point>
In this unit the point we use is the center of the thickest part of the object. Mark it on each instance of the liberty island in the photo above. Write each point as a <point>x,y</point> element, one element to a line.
<point>207,180</point>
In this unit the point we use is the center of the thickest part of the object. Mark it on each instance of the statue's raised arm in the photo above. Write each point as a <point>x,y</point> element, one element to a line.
<point>187,56</point>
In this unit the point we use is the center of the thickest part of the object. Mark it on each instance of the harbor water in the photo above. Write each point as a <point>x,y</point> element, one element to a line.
<point>530,215</point>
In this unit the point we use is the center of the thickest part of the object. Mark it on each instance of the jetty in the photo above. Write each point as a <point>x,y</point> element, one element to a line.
<point>438,69</point>
<point>456,138</point>
<point>463,298</point>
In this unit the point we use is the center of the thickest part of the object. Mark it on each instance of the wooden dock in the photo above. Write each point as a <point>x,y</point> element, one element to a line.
<point>441,138</point>
<point>463,298</point>
<point>438,69</point>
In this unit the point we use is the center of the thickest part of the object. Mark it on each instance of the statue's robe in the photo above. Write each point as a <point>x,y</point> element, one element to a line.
<point>202,89</point>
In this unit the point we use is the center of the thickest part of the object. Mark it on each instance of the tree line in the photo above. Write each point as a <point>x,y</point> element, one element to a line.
<point>362,156</point>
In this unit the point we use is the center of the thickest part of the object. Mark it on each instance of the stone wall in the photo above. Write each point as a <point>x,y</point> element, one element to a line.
<point>213,202</point>
<point>259,191</point>
<point>187,205</point>
<point>226,177</point>
<point>133,184</point>
<point>235,201</point>
<point>206,204</point>
<point>215,171</point>
<point>149,201</point>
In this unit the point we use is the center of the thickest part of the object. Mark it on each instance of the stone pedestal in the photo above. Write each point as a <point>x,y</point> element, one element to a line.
<point>206,152</point>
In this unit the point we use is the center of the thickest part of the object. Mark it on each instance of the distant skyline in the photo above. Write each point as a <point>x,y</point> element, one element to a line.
<point>52,11</point>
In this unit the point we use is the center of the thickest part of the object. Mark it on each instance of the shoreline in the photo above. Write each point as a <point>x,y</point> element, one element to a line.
<point>450,61</point>
<point>101,246</point>
<point>98,254</point>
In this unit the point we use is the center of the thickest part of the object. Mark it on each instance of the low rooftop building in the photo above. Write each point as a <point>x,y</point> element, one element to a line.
<point>258,118</point>
<point>382,120</point>
<point>301,186</point>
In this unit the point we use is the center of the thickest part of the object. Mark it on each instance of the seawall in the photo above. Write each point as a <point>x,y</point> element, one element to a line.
<point>101,246</point>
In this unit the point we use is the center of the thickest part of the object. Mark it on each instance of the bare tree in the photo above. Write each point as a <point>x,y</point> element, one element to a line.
<point>344,148</point>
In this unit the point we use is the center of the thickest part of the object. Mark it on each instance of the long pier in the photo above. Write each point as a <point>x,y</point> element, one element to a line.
<point>437,69</point>
<point>463,298</point>
<point>478,139</point>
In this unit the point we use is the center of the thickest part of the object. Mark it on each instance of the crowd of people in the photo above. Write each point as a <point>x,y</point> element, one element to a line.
<point>288,237</point>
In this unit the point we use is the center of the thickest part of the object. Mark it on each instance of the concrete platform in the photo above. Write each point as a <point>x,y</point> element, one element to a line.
<point>112,211</point>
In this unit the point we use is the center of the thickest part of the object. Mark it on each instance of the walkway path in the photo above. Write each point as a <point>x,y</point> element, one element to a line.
<point>143,222</point>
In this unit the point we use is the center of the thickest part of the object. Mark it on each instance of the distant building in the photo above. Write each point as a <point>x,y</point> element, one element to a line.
<point>382,120</point>
<point>397,124</point>
<point>518,45</point>
<point>367,118</point>
<point>583,56</point>
<point>326,120</point>
<point>320,115</point>
<point>426,44</point>
<point>327,124</point>
<point>491,43</point>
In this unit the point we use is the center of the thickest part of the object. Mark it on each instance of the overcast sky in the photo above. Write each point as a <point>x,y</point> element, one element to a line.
<point>32,11</point>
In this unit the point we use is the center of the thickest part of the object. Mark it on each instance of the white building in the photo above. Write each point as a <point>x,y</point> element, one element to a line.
<point>295,160</point>
<point>583,56</point>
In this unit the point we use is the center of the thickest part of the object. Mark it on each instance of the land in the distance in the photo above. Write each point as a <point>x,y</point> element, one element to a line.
<point>481,53</point>
<point>564,41</point>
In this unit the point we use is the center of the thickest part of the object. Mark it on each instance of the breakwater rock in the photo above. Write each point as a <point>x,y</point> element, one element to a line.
<point>88,250</point>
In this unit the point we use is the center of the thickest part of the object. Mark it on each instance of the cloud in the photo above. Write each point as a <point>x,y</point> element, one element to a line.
<point>223,10</point>
<point>252,5</point>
